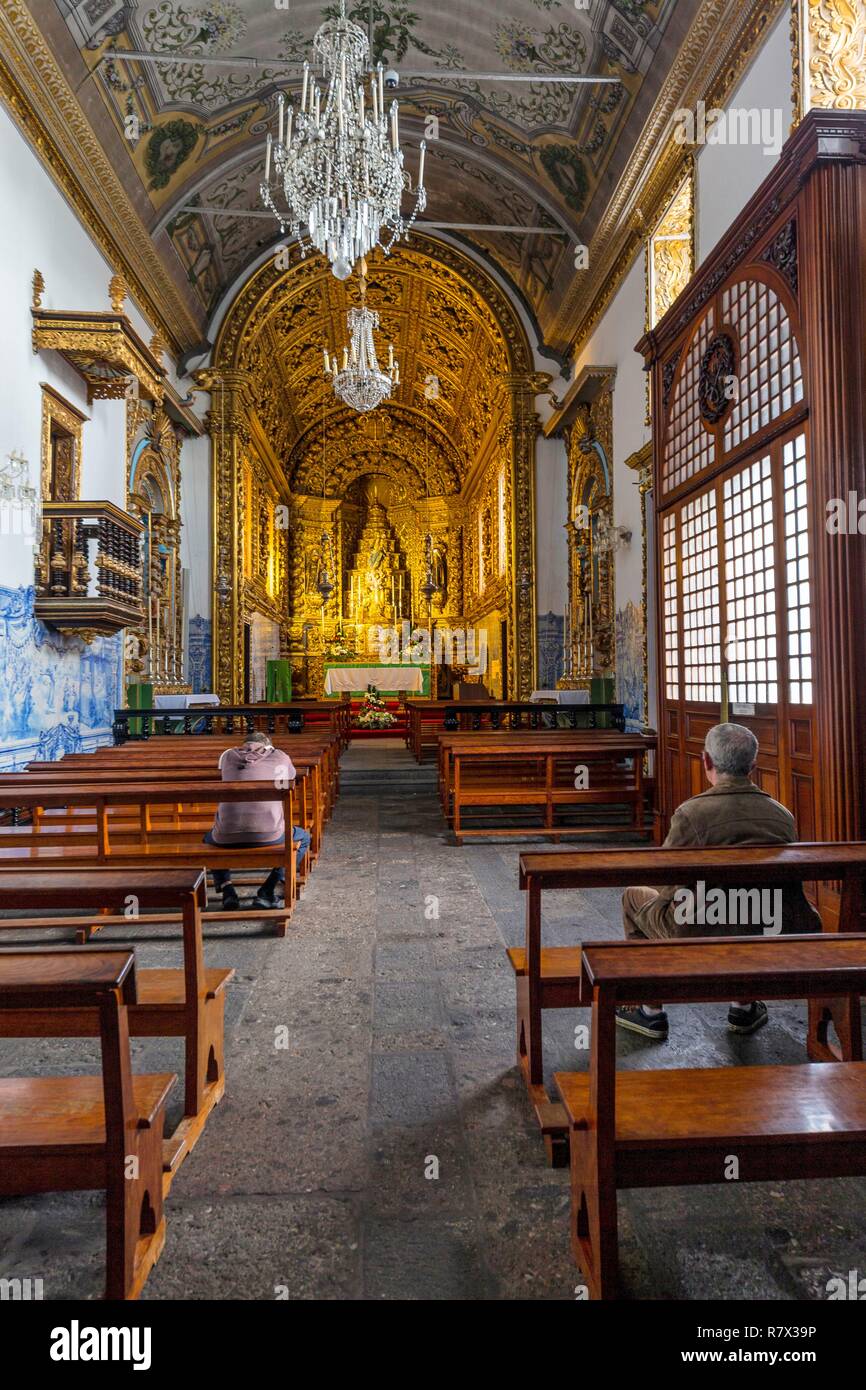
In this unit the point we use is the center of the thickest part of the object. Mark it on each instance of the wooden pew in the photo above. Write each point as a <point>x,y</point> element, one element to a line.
<point>186,1003</point>
<point>672,1127</point>
<point>551,977</point>
<point>538,770</point>
<point>317,755</point>
<point>313,802</point>
<point>425,721</point>
<point>151,845</point>
<point>82,1133</point>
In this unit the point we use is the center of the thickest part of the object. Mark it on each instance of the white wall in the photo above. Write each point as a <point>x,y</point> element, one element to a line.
<point>53,685</point>
<point>551,543</point>
<point>728,175</point>
<point>195,551</point>
<point>41,232</point>
<point>612,345</point>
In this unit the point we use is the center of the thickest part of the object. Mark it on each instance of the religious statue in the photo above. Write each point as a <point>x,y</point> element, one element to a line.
<point>378,582</point>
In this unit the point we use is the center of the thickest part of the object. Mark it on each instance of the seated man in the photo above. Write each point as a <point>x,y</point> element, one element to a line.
<point>247,823</point>
<point>732,812</point>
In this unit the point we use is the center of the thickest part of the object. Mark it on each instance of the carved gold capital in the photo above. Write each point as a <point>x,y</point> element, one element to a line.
<point>830,54</point>
<point>231,401</point>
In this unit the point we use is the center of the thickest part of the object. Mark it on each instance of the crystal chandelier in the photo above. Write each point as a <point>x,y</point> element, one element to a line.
<point>339,161</point>
<point>360,382</point>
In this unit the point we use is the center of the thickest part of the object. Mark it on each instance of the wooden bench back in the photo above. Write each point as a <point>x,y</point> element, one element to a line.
<point>764,865</point>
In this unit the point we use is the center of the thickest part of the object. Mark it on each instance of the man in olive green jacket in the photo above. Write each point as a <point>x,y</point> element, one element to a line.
<point>732,812</point>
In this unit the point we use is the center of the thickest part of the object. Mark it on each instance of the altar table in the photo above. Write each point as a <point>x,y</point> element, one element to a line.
<point>388,678</point>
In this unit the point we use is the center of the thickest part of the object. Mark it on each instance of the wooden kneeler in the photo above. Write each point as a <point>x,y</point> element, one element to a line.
<point>678,1126</point>
<point>186,1003</point>
<point>84,1133</point>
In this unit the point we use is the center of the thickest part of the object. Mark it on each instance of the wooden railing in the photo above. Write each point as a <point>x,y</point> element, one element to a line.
<point>525,715</point>
<point>229,719</point>
<point>89,570</point>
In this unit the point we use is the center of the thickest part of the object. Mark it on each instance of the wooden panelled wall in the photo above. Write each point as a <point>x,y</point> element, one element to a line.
<point>759,422</point>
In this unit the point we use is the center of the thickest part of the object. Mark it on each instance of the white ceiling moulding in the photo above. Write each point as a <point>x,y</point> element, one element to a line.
<point>292,71</point>
<point>217,211</point>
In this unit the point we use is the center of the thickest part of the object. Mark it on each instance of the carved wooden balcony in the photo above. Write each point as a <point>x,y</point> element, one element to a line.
<point>89,569</point>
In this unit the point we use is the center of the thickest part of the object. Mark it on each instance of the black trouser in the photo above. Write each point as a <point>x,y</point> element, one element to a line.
<point>300,837</point>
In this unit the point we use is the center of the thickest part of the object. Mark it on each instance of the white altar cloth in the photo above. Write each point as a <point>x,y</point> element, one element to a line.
<point>562,697</point>
<point>184,701</point>
<point>357,678</point>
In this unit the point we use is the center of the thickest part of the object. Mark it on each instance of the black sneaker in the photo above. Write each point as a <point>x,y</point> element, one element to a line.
<point>265,900</point>
<point>748,1020</point>
<point>648,1025</point>
<point>231,901</point>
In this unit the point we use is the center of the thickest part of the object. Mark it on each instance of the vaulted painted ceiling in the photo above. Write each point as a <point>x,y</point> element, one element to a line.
<point>451,347</point>
<point>528,154</point>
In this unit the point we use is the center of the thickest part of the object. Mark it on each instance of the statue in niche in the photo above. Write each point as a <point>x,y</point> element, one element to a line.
<point>378,580</point>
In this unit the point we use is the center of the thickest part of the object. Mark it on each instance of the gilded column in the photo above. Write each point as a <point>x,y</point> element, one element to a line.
<point>520,432</point>
<point>229,428</point>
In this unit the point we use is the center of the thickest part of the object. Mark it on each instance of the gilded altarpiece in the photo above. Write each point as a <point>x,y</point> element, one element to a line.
<point>154,649</point>
<point>62,430</point>
<point>265,541</point>
<point>465,365</point>
<point>590,620</point>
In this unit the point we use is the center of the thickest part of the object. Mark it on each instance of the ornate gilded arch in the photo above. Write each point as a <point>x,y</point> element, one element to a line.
<point>467,388</point>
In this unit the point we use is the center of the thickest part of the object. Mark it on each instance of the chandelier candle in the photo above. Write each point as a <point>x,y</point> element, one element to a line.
<point>362,384</point>
<point>339,167</point>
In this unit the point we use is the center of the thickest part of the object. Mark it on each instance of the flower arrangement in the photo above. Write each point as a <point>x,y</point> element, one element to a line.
<point>373,713</point>
<point>340,649</point>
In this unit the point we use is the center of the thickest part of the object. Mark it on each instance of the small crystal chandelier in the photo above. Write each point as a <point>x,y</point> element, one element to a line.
<point>340,161</point>
<point>360,382</point>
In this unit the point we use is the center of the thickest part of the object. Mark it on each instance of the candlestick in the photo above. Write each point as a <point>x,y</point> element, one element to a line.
<point>381,89</point>
<point>280,100</point>
<point>268,144</point>
<point>304,88</point>
<point>289,125</point>
<point>394,124</point>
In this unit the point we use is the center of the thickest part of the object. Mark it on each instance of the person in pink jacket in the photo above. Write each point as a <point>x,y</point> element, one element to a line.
<point>247,823</point>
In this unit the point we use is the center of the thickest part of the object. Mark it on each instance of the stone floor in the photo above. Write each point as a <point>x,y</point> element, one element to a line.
<point>387,1152</point>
